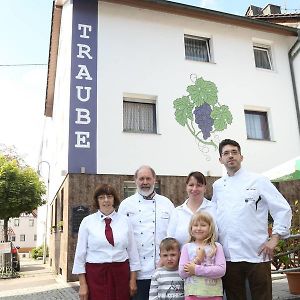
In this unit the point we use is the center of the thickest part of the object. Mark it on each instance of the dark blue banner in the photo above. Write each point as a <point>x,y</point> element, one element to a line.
<point>83,88</point>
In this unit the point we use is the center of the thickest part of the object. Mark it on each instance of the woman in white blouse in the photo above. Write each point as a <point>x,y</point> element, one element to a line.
<point>182,214</point>
<point>106,258</point>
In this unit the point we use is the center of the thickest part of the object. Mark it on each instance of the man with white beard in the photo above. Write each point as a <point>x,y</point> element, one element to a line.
<point>149,214</point>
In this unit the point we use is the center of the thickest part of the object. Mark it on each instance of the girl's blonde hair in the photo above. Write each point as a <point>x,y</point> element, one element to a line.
<point>211,238</point>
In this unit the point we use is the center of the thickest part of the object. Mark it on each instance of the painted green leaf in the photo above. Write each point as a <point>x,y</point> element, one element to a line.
<point>203,91</point>
<point>222,117</point>
<point>183,110</point>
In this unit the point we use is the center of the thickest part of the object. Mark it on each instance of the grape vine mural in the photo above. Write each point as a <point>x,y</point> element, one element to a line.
<point>202,114</point>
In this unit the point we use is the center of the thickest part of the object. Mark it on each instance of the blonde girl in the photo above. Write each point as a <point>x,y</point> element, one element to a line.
<point>202,262</point>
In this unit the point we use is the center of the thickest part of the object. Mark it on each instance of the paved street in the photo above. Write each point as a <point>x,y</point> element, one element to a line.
<point>37,282</point>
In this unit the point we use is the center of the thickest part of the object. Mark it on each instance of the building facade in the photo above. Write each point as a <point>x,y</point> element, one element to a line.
<point>22,232</point>
<point>159,83</point>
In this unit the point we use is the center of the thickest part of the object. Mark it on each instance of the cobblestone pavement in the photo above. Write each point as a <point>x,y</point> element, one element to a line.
<point>37,282</point>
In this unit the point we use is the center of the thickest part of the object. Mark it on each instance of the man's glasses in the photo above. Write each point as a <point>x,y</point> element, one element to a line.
<point>232,152</point>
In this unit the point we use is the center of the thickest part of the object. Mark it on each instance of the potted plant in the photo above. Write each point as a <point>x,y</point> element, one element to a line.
<point>53,229</point>
<point>286,258</point>
<point>60,225</point>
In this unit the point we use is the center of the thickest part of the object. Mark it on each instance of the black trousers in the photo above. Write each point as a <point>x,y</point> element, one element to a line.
<point>258,275</point>
<point>143,287</point>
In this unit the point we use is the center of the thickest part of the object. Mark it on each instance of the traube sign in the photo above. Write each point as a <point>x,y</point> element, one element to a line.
<point>83,88</point>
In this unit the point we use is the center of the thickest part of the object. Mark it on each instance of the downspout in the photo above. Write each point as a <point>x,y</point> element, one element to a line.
<point>292,55</point>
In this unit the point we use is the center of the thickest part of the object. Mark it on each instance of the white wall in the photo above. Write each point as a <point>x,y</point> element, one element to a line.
<point>142,52</point>
<point>57,132</point>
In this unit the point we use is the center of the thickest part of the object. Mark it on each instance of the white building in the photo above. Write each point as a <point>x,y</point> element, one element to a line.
<point>119,71</point>
<point>22,231</point>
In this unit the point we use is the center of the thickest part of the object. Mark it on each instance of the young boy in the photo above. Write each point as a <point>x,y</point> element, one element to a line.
<point>166,282</point>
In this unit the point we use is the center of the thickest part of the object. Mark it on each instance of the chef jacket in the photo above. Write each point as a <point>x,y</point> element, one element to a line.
<point>149,220</point>
<point>180,219</point>
<point>93,247</point>
<point>243,202</point>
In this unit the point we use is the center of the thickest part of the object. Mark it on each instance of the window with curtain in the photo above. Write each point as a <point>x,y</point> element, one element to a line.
<point>257,125</point>
<point>197,48</point>
<point>139,116</point>
<point>262,56</point>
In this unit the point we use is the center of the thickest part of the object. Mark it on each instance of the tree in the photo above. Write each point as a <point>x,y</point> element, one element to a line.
<point>21,190</point>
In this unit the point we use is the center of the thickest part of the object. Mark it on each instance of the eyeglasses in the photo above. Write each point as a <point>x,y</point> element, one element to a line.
<point>103,197</point>
<point>231,152</point>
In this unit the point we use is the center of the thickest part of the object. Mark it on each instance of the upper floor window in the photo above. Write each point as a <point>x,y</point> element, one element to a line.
<point>139,115</point>
<point>31,222</point>
<point>16,222</point>
<point>197,48</point>
<point>22,237</point>
<point>262,56</point>
<point>257,125</point>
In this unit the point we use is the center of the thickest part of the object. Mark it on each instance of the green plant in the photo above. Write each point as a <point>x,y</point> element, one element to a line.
<point>38,252</point>
<point>286,255</point>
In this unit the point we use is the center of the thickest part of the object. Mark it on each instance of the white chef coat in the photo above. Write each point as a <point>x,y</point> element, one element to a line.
<point>142,214</point>
<point>93,247</point>
<point>180,219</point>
<point>243,201</point>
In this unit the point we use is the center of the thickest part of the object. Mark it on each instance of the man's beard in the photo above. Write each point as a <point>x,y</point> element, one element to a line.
<point>146,192</point>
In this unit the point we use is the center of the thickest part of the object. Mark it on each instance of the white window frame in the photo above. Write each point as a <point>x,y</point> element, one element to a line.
<point>16,222</point>
<point>266,49</point>
<point>207,46</point>
<point>265,133</point>
<point>140,99</point>
<point>21,236</point>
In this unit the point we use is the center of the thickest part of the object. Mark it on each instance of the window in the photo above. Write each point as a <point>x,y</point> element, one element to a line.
<point>35,237</point>
<point>257,125</point>
<point>62,204</point>
<point>139,115</point>
<point>22,237</point>
<point>262,56</point>
<point>31,222</point>
<point>16,222</point>
<point>197,48</point>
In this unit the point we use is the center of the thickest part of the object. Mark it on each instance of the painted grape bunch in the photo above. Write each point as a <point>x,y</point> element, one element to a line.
<point>201,108</point>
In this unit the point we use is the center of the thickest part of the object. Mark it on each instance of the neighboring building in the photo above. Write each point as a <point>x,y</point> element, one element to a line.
<point>22,232</point>
<point>124,89</point>
<point>272,13</point>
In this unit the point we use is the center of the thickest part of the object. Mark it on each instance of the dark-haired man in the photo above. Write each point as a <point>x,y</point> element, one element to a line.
<point>243,201</point>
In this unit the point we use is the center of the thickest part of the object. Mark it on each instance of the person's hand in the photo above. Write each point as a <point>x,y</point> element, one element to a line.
<point>200,254</point>
<point>267,249</point>
<point>83,292</point>
<point>190,268</point>
<point>132,287</point>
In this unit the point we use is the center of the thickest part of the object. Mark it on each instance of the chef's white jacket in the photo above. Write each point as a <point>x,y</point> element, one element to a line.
<point>180,219</point>
<point>149,220</point>
<point>243,201</point>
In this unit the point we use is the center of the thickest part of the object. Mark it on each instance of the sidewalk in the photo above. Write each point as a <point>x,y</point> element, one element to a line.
<point>37,282</point>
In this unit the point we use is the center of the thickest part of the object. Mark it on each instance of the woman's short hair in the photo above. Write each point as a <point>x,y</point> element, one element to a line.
<point>106,189</point>
<point>198,176</point>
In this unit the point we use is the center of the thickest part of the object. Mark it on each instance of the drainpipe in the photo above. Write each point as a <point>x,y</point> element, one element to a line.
<point>292,55</point>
